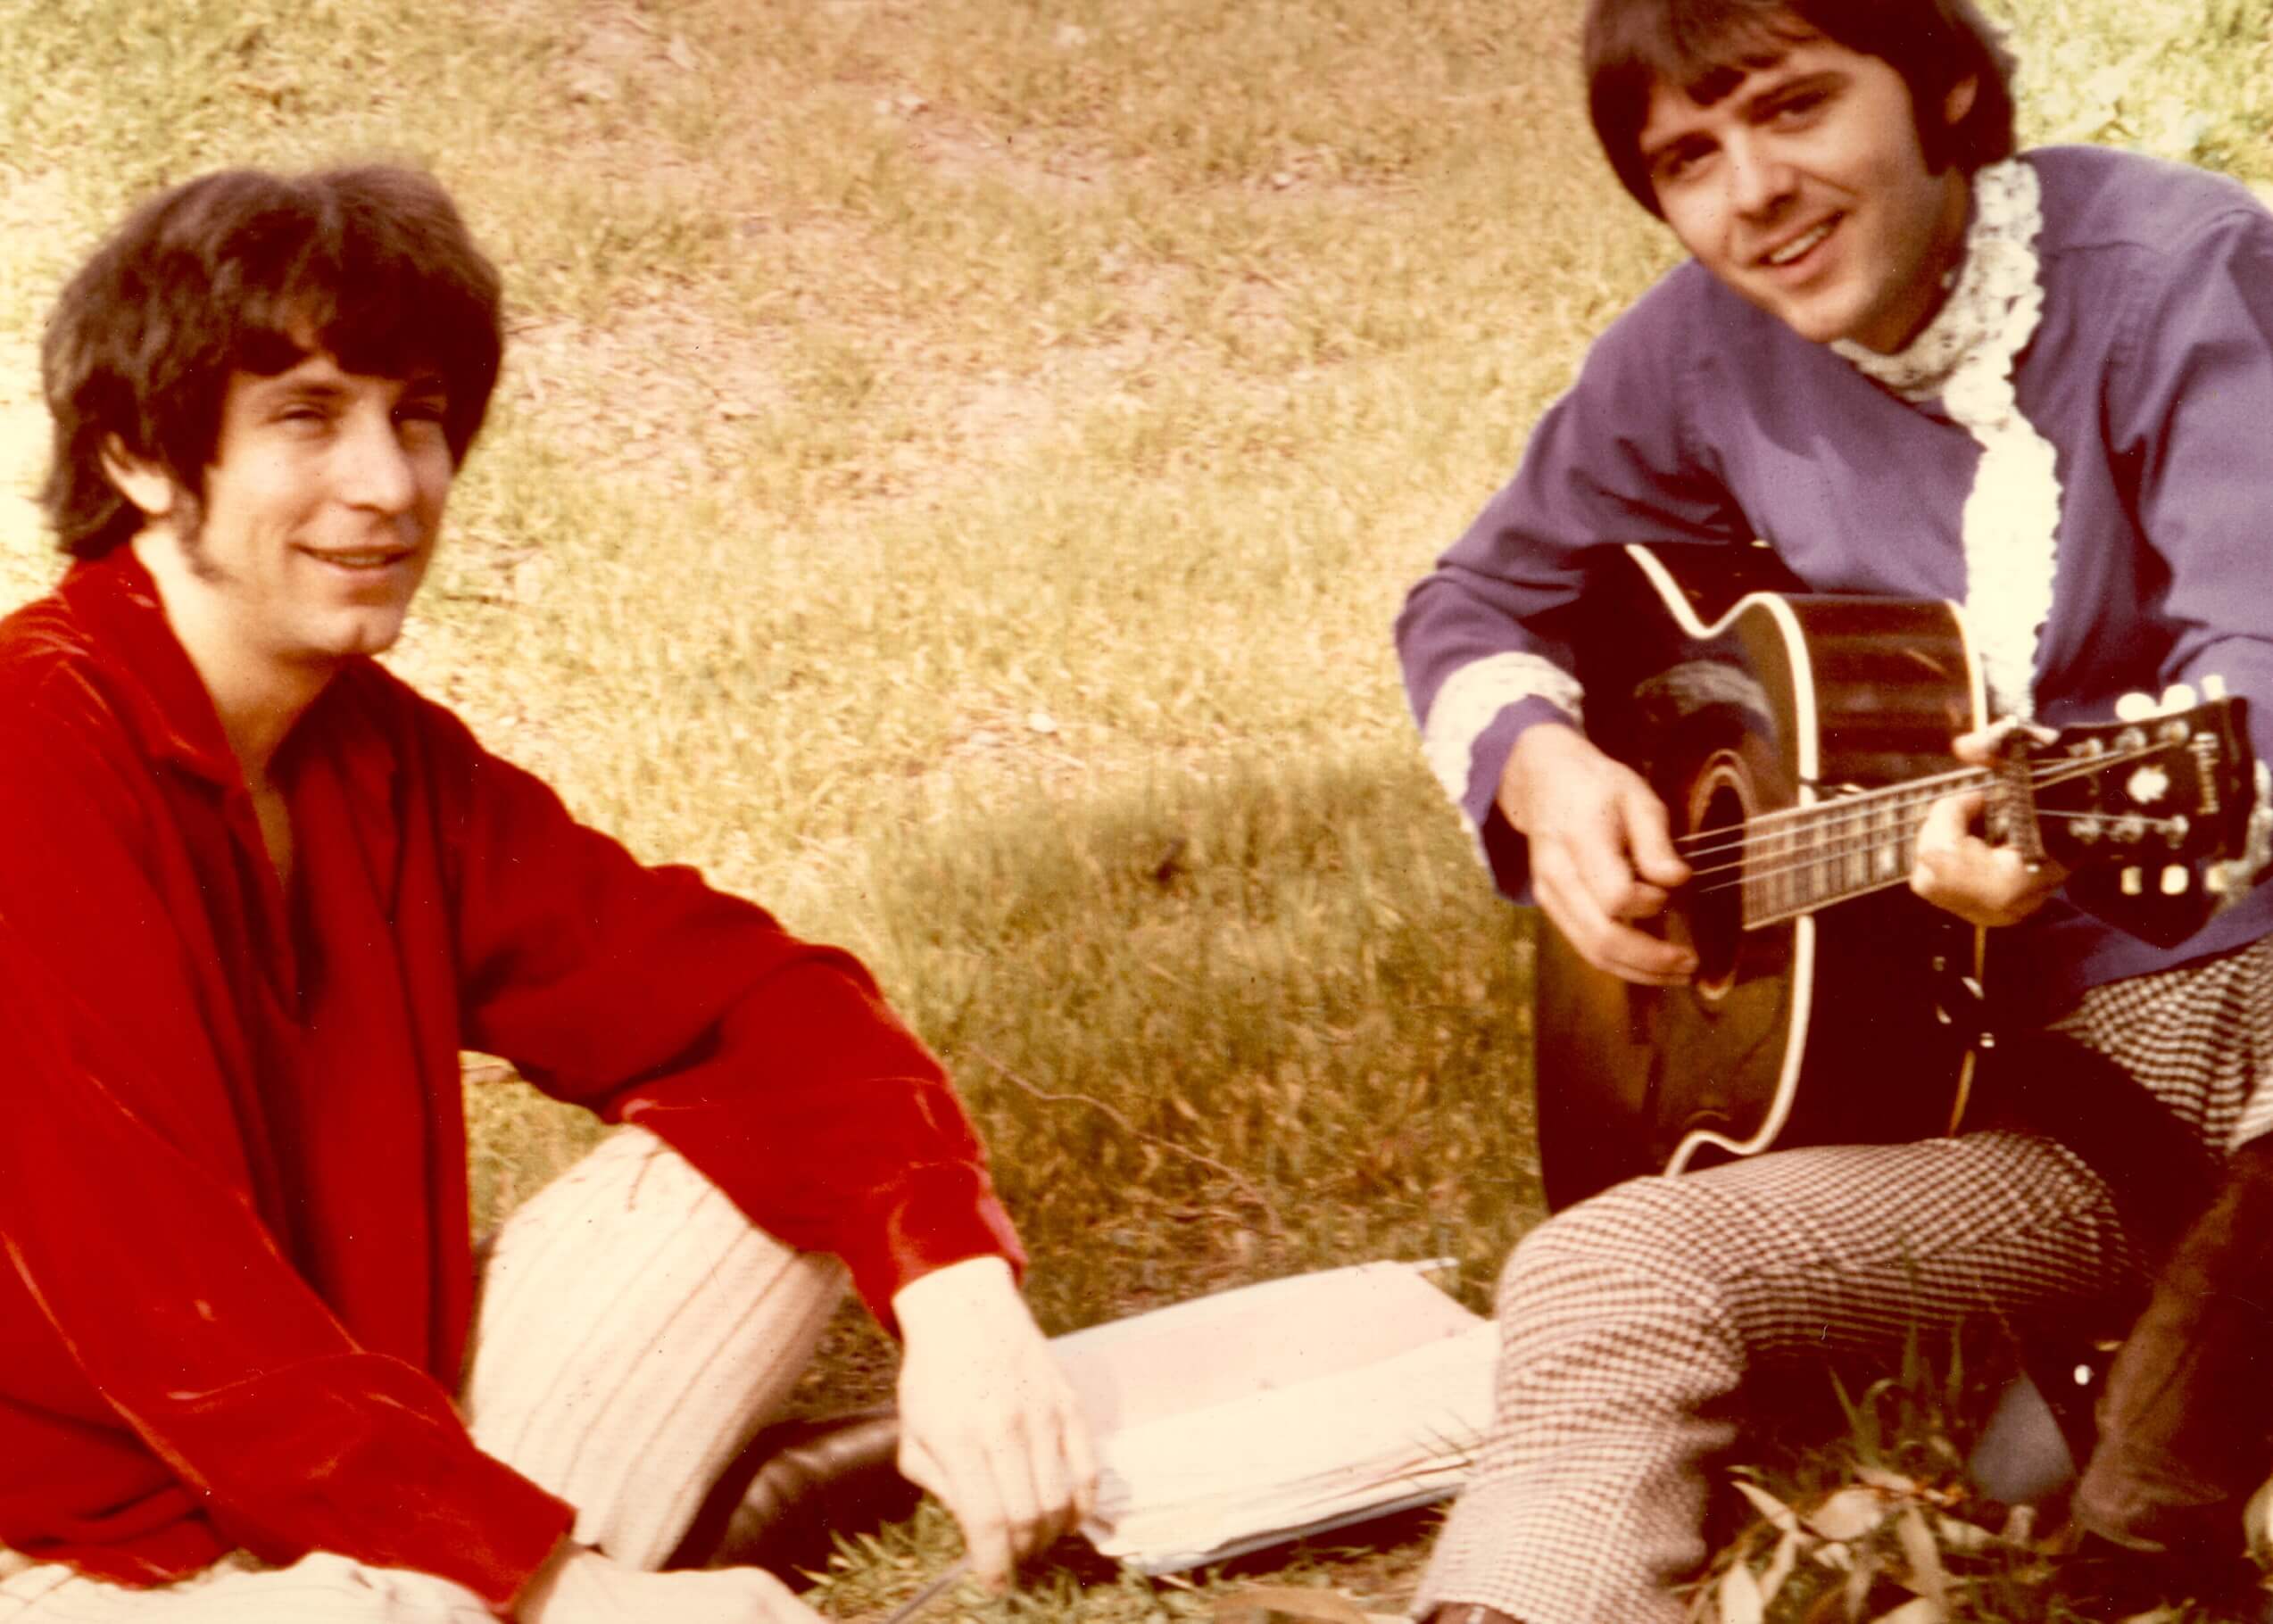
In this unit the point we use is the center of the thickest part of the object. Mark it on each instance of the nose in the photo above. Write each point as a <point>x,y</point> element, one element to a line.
<point>375,470</point>
<point>1759,179</point>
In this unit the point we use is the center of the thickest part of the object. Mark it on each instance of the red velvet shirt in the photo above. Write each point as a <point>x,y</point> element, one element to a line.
<point>233,1175</point>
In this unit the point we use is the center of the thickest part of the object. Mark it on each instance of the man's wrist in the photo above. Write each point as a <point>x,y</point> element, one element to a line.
<point>1529,760</point>
<point>953,1288</point>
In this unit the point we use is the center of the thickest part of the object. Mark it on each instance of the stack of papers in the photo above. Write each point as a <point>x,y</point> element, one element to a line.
<point>1264,1413</point>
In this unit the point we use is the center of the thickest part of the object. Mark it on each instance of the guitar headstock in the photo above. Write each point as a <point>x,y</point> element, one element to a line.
<point>2163,814</point>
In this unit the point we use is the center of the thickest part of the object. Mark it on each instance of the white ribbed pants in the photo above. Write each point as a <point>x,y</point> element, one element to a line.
<point>635,1331</point>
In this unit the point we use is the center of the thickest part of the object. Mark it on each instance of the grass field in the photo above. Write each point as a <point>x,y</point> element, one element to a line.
<point>956,467</point>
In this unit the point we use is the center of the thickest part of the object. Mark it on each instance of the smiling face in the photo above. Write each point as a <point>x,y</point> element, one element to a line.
<point>319,516</point>
<point>1801,184</point>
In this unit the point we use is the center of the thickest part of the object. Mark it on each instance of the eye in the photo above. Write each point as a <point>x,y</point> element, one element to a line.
<point>423,411</point>
<point>1679,162</point>
<point>1800,106</point>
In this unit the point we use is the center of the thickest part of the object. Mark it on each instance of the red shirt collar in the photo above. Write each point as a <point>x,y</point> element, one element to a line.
<point>163,700</point>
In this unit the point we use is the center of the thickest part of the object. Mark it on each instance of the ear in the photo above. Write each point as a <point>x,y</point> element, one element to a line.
<point>145,485</point>
<point>1960,100</point>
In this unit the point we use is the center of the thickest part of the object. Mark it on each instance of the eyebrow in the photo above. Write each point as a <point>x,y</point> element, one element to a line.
<point>1708,92</point>
<point>1813,79</point>
<point>293,386</point>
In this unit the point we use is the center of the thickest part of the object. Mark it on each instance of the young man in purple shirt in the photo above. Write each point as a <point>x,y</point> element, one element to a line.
<point>1916,365</point>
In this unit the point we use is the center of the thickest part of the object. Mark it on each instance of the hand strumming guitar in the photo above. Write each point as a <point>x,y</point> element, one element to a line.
<point>1958,870</point>
<point>1602,852</point>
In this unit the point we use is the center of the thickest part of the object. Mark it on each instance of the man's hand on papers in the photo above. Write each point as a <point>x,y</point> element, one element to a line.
<point>987,1422</point>
<point>580,1586</point>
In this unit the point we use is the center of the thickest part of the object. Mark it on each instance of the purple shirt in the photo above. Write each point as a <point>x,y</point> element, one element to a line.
<point>1699,418</point>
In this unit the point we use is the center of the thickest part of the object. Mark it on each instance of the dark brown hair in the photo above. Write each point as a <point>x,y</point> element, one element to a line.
<point>242,271</point>
<point>1705,46</point>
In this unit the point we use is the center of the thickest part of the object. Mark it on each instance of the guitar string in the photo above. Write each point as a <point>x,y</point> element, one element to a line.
<point>1869,804</point>
<point>1930,787</point>
<point>1796,862</point>
<point>1793,859</point>
<point>1746,876</point>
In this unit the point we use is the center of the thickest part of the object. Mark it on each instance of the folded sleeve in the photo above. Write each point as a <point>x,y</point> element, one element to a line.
<point>130,1217</point>
<point>1484,638</point>
<point>772,1064</point>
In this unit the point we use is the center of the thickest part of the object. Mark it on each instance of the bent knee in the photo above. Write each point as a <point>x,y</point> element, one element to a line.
<point>1636,1243</point>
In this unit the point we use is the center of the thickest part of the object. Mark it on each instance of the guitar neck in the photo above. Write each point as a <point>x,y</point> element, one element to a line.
<point>1805,858</point>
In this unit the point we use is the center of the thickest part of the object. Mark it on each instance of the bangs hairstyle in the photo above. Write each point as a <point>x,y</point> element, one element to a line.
<point>1705,46</point>
<point>245,271</point>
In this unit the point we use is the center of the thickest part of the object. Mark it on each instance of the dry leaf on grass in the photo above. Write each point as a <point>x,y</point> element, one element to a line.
<point>1286,1604</point>
<point>1779,1565</point>
<point>1739,1597</point>
<point>1780,1516</point>
<point>1924,1557</point>
<point>1849,1514</point>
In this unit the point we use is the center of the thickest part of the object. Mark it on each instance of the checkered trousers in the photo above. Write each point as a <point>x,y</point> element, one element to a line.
<point>1629,1320</point>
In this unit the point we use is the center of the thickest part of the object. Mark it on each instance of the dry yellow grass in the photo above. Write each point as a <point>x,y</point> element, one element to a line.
<point>956,467</point>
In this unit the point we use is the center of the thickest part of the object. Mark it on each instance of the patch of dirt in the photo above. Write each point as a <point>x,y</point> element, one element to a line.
<point>28,559</point>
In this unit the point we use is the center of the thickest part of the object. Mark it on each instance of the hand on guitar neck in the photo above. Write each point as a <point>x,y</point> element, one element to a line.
<point>1603,861</point>
<point>1602,852</point>
<point>1964,875</point>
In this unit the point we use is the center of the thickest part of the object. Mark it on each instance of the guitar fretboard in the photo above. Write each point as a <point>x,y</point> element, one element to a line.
<point>1807,858</point>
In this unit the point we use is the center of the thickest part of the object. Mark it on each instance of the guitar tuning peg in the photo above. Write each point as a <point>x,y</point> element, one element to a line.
<point>2176,698</point>
<point>2133,708</point>
<point>2213,686</point>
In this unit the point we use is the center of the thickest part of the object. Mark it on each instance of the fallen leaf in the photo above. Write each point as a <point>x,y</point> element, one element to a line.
<point>1849,1514</point>
<point>1286,1605</point>
<point>1965,1538</point>
<point>1779,1566</point>
<point>1924,1557</point>
<point>1739,1597</point>
<point>1780,1516</point>
<point>1859,1579</point>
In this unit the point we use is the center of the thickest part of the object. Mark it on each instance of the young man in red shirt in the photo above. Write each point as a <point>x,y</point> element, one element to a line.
<point>255,897</point>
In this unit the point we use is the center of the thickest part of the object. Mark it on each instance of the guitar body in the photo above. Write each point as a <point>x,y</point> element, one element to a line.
<point>1737,694</point>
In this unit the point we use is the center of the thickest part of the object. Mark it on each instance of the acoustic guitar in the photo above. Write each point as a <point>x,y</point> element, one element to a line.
<point>1797,740</point>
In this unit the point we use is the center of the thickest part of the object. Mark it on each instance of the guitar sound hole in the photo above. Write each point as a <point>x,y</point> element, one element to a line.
<point>1714,912</point>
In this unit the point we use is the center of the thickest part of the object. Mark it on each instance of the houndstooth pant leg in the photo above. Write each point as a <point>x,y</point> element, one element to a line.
<point>1626,1320</point>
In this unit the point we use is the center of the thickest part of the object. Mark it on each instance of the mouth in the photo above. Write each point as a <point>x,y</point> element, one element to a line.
<point>362,560</point>
<point>1796,250</point>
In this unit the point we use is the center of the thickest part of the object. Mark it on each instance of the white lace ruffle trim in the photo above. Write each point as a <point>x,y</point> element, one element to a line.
<point>1966,357</point>
<point>1472,700</point>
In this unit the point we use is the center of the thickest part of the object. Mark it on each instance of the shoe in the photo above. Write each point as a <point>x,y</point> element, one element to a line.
<point>798,1489</point>
<point>2100,1578</point>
